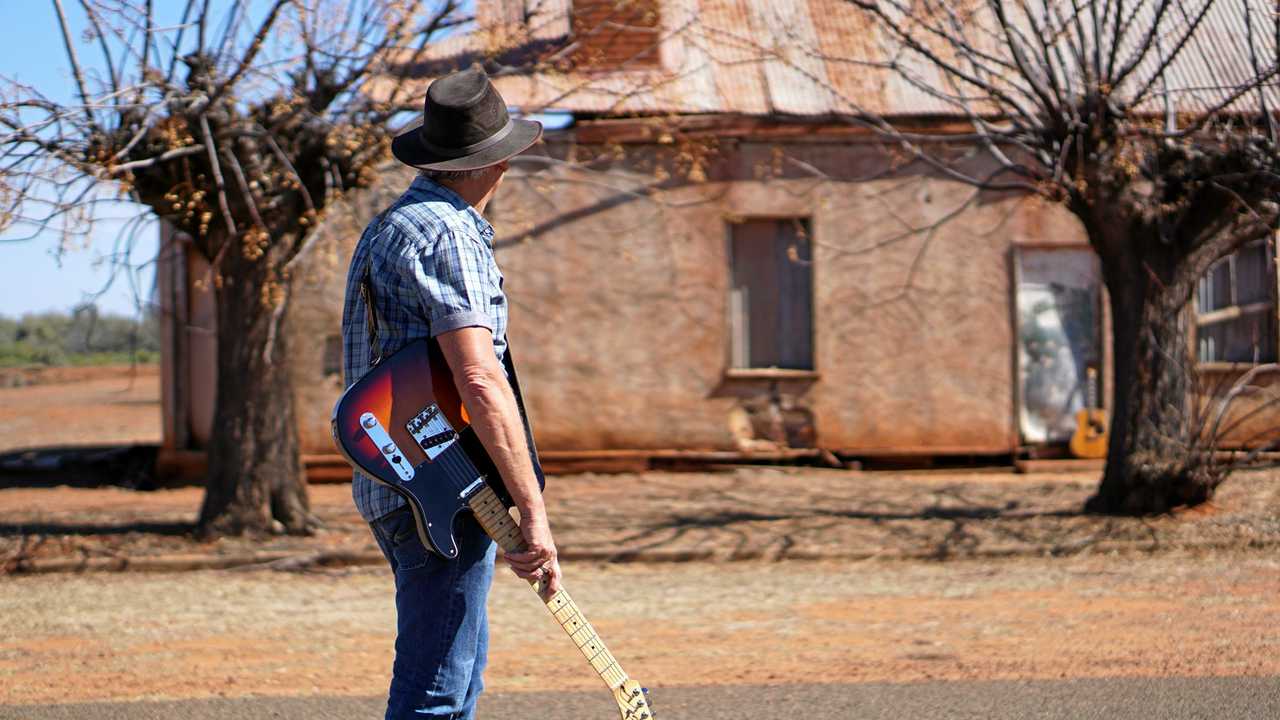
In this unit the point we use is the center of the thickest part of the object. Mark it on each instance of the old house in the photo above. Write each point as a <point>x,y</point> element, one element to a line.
<point>712,257</point>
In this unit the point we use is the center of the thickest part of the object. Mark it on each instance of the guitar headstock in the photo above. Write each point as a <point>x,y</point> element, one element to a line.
<point>633,701</point>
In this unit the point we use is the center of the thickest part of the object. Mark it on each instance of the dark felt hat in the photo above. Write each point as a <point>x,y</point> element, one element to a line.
<point>465,126</point>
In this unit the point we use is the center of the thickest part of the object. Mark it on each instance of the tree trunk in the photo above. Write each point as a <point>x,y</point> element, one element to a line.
<point>1153,464</point>
<point>256,482</point>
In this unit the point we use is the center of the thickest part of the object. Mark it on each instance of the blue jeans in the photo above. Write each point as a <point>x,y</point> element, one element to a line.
<point>442,628</point>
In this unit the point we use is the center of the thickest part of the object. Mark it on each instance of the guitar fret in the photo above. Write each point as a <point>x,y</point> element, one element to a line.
<point>613,675</point>
<point>496,521</point>
<point>602,661</point>
<point>584,636</point>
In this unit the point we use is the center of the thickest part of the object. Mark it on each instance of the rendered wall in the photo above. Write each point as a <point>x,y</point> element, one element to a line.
<point>617,278</point>
<point>627,313</point>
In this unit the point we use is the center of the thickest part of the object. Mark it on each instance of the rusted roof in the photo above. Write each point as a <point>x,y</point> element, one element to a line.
<point>801,58</point>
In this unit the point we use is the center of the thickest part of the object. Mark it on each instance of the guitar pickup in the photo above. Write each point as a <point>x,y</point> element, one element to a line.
<point>431,431</point>
<point>438,439</point>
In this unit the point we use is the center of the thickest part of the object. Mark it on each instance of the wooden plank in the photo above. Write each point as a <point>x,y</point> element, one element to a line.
<point>648,131</point>
<point>1066,465</point>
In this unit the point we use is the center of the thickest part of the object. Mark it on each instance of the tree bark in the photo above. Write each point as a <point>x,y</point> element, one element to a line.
<point>1152,463</point>
<point>256,482</point>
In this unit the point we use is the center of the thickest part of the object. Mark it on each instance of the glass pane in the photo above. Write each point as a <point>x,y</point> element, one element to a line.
<point>1214,292</point>
<point>1250,338</point>
<point>1254,281</point>
<point>1058,339</point>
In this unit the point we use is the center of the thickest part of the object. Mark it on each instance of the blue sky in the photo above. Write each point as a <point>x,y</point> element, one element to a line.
<point>32,276</point>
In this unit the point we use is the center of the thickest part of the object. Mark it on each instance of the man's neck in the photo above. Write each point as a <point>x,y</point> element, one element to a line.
<point>476,191</point>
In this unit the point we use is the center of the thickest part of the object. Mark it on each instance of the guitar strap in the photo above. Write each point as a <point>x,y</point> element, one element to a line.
<point>524,417</point>
<point>371,331</point>
<point>370,315</point>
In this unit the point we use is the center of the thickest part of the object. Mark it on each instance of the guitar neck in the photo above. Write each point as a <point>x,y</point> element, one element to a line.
<point>499,525</point>
<point>1093,388</point>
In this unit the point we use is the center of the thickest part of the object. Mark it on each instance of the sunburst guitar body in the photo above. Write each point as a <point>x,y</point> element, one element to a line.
<point>404,425</point>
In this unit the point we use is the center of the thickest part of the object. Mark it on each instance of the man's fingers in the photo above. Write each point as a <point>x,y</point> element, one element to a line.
<point>528,569</point>
<point>527,563</point>
<point>529,556</point>
<point>527,574</point>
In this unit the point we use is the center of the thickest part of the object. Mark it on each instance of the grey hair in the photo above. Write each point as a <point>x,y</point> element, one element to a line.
<point>454,175</point>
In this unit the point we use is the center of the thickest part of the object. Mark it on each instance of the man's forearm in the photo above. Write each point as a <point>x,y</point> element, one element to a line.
<point>496,418</point>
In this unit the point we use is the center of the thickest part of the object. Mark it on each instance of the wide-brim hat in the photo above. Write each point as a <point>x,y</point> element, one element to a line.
<point>465,126</point>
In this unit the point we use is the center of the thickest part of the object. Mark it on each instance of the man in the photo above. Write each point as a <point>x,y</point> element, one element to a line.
<point>428,260</point>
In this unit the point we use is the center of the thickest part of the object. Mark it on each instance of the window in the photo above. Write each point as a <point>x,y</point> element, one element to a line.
<point>333,355</point>
<point>771,294</point>
<point>1236,307</point>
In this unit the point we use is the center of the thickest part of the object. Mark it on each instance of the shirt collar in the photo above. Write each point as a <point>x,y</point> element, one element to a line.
<point>427,186</point>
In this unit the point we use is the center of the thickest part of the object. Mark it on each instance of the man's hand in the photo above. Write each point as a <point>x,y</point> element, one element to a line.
<point>539,560</point>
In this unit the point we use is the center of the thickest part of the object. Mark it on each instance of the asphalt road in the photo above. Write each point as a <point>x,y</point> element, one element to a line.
<point>1154,699</point>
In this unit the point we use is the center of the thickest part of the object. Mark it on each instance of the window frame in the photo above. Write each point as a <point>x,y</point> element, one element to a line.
<point>732,372</point>
<point>1235,311</point>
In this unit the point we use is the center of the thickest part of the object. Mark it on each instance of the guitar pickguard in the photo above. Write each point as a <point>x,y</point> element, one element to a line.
<point>387,446</point>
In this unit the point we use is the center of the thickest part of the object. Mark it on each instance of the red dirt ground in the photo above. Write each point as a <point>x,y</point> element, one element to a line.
<point>117,404</point>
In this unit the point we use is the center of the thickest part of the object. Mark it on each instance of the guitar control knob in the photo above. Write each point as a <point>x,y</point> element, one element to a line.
<point>396,459</point>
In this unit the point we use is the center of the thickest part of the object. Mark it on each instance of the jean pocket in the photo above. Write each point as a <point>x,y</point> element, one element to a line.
<point>401,531</point>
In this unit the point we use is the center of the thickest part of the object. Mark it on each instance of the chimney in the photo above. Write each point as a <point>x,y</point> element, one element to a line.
<point>616,34</point>
<point>499,12</point>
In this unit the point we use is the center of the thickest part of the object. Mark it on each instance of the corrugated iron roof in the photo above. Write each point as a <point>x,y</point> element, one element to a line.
<point>810,58</point>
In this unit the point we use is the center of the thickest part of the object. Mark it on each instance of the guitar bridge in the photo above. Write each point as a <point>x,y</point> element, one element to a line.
<point>431,431</point>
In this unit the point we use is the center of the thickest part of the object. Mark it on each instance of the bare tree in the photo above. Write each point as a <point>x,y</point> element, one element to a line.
<point>237,123</point>
<point>1156,123</point>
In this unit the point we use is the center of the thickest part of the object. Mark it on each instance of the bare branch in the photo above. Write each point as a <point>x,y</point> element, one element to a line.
<point>74,58</point>
<point>251,53</point>
<point>216,168</point>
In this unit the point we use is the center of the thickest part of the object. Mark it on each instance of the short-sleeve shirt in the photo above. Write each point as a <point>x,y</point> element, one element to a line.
<point>431,264</point>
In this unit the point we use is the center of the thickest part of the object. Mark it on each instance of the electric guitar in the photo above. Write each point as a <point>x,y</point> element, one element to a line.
<point>404,425</point>
<point>1090,437</point>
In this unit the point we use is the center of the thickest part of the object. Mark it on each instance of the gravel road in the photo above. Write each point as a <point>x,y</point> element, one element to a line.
<point>1106,699</point>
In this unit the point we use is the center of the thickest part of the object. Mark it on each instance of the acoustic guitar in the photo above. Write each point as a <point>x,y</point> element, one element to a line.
<point>1090,438</point>
<point>404,426</point>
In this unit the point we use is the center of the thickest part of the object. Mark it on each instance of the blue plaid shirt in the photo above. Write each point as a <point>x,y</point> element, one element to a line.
<point>431,263</point>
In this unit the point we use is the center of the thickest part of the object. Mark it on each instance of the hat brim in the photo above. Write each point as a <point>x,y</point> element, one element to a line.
<point>408,149</point>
